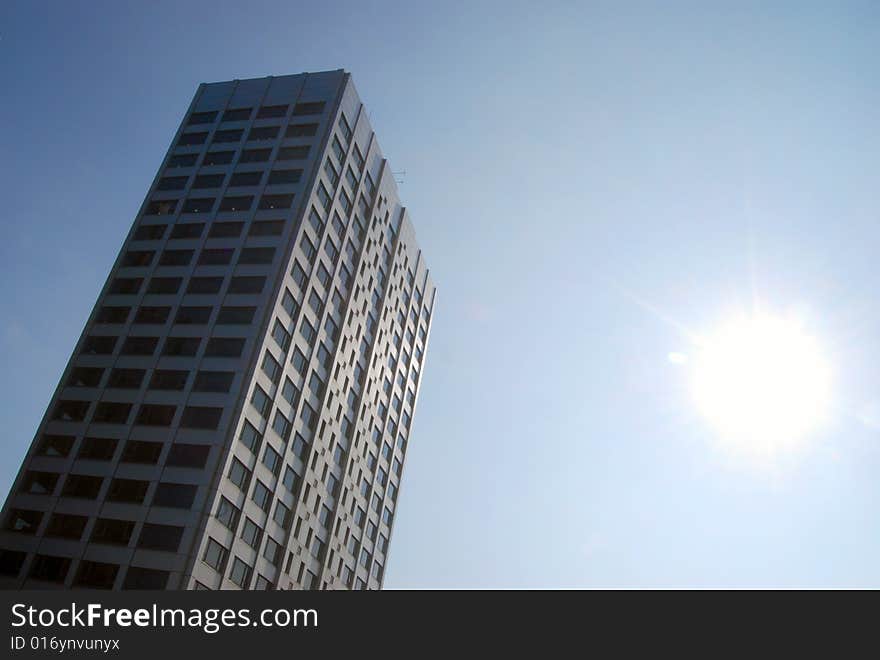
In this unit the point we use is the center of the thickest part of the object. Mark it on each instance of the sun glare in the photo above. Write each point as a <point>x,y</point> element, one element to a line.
<point>763,383</point>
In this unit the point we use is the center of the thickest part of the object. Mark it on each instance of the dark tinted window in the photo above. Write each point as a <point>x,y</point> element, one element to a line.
<point>293,153</point>
<point>312,108</point>
<point>49,568</point>
<point>216,256</point>
<point>71,411</point>
<point>84,377</point>
<point>236,315</point>
<point>167,379</point>
<point>23,521</point>
<point>301,130</point>
<point>237,114</point>
<point>224,347</point>
<point>200,417</point>
<point>284,176</point>
<point>268,111</point>
<point>228,136</point>
<point>182,160</point>
<point>199,205</point>
<point>276,201</point>
<point>225,229</point>
<point>94,345</point>
<point>152,414</point>
<point>204,285</point>
<point>149,232</point>
<point>66,526</point>
<point>39,483</point>
<point>188,230</point>
<point>141,451</point>
<point>127,490</point>
<point>262,255</point>
<point>152,315</point>
<point>175,257</point>
<point>247,284</point>
<point>115,532</point>
<point>96,575</point>
<point>188,455</point>
<point>111,413</point>
<point>160,537</point>
<point>188,139</point>
<point>97,449</point>
<point>193,315</point>
<point>164,285</point>
<point>126,379</point>
<point>213,381</point>
<point>145,578</point>
<point>139,345</point>
<point>172,183</point>
<point>125,285</point>
<point>209,181</point>
<point>263,133</point>
<point>242,203</point>
<point>218,157</point>
<point>81,485</point>
<point>55,445</point>
<point>202,118</point>
<point>161,207</point>
<point>138,258</point>
<point>255,155</point>
<point>246,179</point>
<point>177,496</point>
<point>181,346</point>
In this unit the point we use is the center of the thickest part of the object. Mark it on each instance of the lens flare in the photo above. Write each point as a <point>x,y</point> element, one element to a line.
<point>763,384</point>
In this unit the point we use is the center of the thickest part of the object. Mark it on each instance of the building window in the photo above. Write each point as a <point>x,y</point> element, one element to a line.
<point>160,537</point>
<point>240,203</point>
<point>202,118</point>
<point>256,255</point>
<point>127,490</point>
<point>239,474</point>
<point>213,381</point>
<point>145,578</point>
<point>192,139</point>
<point>240,179</point>
<point>250,533</point>
<point>240,573</point>
<point>216,256</point>
<point>224,137</point>
<point>176,496</point>
<point>301,130</point>
<point>224,347</point>
<point>218,158</point>
<point>276,201</point>
<point>198,205</point>
<point>201,417</point>
<point>97,449</point>
<point>263,133</point>
<point>66,526</point>
<point>141,451</point>
<point>237,114</point>
<point>155,415</point>
<point>293,153</point>
<point>161,207</point>
<point>215,555</point>
<point>83,486</point>
<point>208,181</point>
<point>181,346</point>
<point>188,455</point>
<point>204,286</point>
<point>284,176</point>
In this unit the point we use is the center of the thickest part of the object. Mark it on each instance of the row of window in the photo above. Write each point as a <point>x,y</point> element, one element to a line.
<point>91,574</point>
<point>194,230</point>
<point>161,379</point>
<point>129,491</point>
<point>109,531</point>
<point>148,414</point>
<point>239,284</point>
<point>302,109</point>
<point>207,257</point>
<point>255,134</point>
<point>238,179</point>
<point>173,346</point>
<point>228,203</point>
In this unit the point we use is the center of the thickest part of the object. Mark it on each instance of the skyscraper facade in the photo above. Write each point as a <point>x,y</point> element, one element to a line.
<point>237,411</point>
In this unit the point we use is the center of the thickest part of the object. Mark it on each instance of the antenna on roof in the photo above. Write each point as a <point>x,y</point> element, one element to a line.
<point>399,176</point>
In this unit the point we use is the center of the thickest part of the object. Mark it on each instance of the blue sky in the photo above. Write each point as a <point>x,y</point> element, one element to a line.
<point>584,178</point>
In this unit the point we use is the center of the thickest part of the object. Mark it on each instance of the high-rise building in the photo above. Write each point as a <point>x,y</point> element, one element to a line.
<point>237,410</point>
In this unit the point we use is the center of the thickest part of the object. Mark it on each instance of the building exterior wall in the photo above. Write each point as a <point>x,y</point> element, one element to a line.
<point>237,410</point>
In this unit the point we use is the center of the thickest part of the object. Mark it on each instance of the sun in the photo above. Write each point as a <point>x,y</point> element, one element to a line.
<point>762,382</point>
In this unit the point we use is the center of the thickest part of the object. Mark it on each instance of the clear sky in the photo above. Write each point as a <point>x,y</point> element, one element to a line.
<point>589,181</point>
